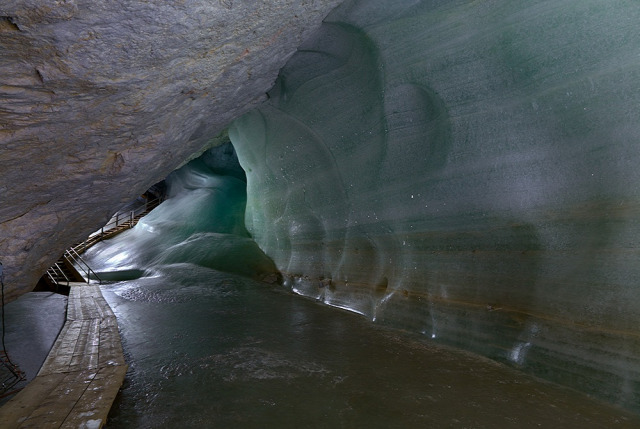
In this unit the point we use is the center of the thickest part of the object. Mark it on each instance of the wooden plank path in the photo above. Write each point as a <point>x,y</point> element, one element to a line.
<point>80,378</point>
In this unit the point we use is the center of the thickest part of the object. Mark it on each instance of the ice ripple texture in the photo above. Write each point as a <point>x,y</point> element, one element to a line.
<point>467,170</point>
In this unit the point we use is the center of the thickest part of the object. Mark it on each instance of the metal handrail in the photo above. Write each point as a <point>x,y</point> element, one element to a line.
<point>121,217</point>
<point>61,272</point>
<point>79,262</point>
<point>58,271</point>
<point>72,256</point>
<point>51,277</point>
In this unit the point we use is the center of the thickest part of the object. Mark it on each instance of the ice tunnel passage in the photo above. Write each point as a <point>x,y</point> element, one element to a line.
<point>456,170</point>
<point>200,223</point>
<point>463,170</point>
<point>207,345</point>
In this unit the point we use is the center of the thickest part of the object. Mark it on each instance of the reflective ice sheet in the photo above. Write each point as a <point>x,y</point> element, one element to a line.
<point>208,349</point>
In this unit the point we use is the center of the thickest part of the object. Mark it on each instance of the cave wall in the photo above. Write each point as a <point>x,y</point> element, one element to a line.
<point>99,100</point>
<point>466,170</point>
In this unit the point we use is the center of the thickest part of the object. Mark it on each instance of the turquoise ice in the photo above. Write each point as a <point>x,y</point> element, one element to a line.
<point>467,170</point>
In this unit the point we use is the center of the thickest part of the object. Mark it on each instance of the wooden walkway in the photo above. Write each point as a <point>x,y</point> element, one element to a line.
<point>80,378</point>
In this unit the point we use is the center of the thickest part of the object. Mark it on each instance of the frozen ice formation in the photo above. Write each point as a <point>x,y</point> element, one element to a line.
<point>463,169</point>
<point>99,100</point>
<point>201,223</point>
<point>467,170</point>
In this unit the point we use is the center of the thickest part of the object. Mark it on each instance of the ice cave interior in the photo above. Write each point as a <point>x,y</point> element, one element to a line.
<point>466,170</point>
<point>463,170</point>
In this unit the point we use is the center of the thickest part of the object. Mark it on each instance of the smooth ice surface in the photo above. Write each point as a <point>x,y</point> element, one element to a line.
<point>466,170</point>
<point>213,350</point>
<point>200,222</point>
<point>32,324</point>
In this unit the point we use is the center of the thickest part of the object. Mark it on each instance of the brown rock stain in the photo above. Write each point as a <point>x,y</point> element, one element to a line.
<point>113,163</point>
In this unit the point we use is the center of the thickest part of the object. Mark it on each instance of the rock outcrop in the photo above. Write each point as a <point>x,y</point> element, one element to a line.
<point>99,100</point>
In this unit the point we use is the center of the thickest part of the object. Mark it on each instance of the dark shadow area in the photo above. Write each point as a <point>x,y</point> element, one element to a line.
<point>32,324</point>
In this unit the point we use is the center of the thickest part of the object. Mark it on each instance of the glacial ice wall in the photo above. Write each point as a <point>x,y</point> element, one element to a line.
<point>467,170</point>
<point>201,223</point>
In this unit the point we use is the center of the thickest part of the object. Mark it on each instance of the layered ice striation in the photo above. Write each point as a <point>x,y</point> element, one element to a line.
<point>200,223</point>
<point>467,170</point>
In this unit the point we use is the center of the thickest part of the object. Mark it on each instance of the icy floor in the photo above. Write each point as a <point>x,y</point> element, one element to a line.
<point>208,349</point>
<point>32,324</point>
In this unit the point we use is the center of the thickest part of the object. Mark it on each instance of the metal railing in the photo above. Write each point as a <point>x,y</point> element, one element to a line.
<point>56,271</point>
<point>121,218</point>
<point>74,258</point>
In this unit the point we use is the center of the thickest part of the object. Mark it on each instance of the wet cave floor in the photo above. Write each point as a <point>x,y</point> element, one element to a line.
<point>209,349</point>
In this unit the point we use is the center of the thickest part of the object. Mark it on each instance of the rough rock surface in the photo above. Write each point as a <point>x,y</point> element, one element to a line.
<point>99,100</point>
